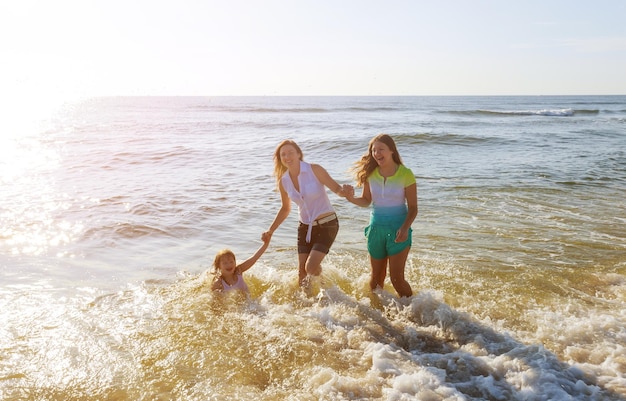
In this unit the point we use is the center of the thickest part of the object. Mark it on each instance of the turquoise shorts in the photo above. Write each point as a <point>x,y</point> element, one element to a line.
<point>381,241</point>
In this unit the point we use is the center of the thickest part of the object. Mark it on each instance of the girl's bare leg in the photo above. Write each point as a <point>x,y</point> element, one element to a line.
<point>379,272</point>
<point>397,264</point>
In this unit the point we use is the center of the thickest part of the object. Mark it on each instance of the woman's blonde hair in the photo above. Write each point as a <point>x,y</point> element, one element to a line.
<point>367,164</point>
<point>279,168</point>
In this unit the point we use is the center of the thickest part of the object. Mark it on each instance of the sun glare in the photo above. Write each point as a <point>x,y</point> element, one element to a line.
<point>27,160</point>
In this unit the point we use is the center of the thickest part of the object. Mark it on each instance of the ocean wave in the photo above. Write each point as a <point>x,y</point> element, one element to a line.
<point>305,109</point>
<point>111,232</point>
<point>177,155</point>
<point>544,112</point>
<point>567,112</point>
<point>443,139</point>
<point>283,345</point>
<point>130,230</point>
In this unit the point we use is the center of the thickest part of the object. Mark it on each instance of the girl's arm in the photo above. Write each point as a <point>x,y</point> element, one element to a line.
<point>217,285</point>
<point>252,260</point>
<point>410,193</point>
<point>326,180</point>
<point>281,215</point>
<point>364,200</point>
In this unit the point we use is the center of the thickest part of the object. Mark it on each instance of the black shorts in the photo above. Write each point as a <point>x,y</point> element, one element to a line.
<point>322,236</point>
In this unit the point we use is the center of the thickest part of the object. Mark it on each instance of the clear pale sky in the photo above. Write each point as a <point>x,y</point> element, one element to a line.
<point>269,47</point>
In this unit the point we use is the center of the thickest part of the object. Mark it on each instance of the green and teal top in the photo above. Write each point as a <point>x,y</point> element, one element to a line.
<point>388,197</point>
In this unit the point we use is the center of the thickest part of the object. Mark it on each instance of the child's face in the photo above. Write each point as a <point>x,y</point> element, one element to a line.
<point>381,153</point>
<point>227,264</point>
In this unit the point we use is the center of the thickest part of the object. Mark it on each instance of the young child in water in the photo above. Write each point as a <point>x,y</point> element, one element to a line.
<point>229,274</point>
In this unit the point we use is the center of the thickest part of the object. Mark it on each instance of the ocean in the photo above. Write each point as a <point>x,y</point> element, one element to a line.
<point>112,209</point>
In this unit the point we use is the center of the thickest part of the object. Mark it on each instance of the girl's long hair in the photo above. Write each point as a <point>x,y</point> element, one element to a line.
<point>279,168</point>
<point>367,164</point>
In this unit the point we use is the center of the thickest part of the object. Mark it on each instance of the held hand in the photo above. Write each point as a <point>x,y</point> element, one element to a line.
<point>340,192</point>
<point>266,236</point>
<point>348,191</point>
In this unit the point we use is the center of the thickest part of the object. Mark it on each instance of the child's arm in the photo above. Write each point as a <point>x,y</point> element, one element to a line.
<point>364,200</point>
<point>245,265</point>
<point>410,193</point>
<point>217,285</point>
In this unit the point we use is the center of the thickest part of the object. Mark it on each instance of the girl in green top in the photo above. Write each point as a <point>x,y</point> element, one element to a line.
<point>391,188</point>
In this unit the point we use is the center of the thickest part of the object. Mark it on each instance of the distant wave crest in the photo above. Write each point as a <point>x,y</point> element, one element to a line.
<point>245,109</point>
<point>544,112</point>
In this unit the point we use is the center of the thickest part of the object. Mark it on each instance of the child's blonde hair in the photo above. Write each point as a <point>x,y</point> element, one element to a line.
<point>218,258</point>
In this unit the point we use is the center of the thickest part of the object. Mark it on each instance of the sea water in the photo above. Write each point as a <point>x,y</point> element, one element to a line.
<point>112,209</point>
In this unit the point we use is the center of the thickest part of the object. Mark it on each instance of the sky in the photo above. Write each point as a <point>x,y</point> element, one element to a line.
<point>66,48</point>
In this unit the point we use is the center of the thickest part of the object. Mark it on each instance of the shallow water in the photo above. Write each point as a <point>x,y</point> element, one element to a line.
<point>112,210</point>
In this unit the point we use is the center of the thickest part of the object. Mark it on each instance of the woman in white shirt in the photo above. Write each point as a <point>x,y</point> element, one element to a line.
<point>305,184</point>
